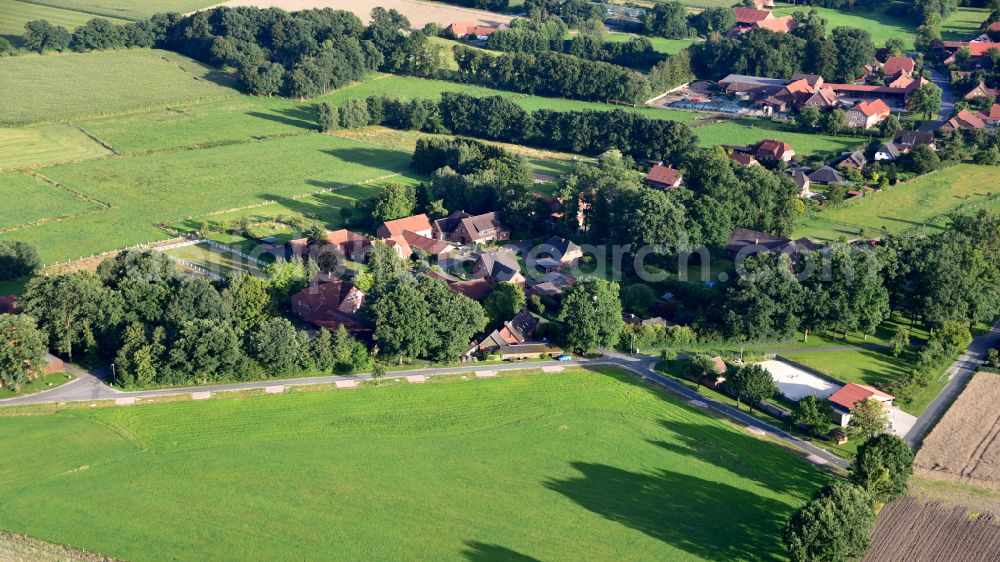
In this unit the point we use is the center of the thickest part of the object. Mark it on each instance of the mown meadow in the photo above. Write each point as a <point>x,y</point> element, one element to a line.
<point>570,466</point>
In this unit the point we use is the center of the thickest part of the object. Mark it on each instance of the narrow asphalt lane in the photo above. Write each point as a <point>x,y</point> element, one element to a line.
<point>947,100</point>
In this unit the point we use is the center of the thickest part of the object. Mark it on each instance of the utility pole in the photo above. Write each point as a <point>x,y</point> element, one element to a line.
<point>114,376</point>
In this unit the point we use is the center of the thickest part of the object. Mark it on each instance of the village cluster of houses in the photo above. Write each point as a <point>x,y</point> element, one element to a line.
<point>330,302</point>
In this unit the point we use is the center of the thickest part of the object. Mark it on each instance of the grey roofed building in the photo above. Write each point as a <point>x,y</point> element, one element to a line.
<point>826,175</point>
<point>855,159</point>
<point>888,151</point>
<point>756,85</point>
<point>914,138</point>
<point>743,238</point>
<point>498,267</point>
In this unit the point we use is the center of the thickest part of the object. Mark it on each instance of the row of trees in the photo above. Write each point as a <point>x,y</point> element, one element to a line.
<point>836,523</point>
<point>552,74</point>
<point>500,118</point>
<point>838,56</point>
<point>526,36</point>
<point>17,260</point>
<point>41,36</point>
<point>162,327</point>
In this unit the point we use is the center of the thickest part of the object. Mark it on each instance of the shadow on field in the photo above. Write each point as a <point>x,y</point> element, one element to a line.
<point>707,519</point>
<point>714,445</point>
<point>294,116</point>
<point>481,552</point>
<point>388,159</point>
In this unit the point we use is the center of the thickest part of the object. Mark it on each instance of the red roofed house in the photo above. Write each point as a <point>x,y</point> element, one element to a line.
<point>982,92</point>
<point>476,289</point>
<point>895,66</point>
<point>994,27</point>
<point>664,177</point>
<point>430,246</point>
<point>353,245</point>
<point>977,48</point>
<point>866,114</point>
<point>330,305</point>
<point>782,24</point>
<point>769,149</point>
<point>749,16</point>
<point>993,117</point>
<point>514,331</point>
<point>418,224</point>
<point>844,400</point>
<point>468,29</point>
<point>965,119</point>
<point>743,159</point>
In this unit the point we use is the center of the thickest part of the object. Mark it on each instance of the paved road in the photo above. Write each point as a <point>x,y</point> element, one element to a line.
<point>959,373</point>
<point>947,100</point>
<point>89,386</point>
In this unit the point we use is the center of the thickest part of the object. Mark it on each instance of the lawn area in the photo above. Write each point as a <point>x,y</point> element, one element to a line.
<point>919,205</point>
<point>37,200</point>
<point>963,24</point>
<point>215,260</point>
<point>570,466</point>
<point>882,26</point>
<point>44,382</point>
<point>46,144</point>
<point>14,14</point>
<point>37,87</point>
<point>660,44</point>
<point>869,366</point>
<point>166,187</point>
<point>749,131</point>
<point>128,9</point>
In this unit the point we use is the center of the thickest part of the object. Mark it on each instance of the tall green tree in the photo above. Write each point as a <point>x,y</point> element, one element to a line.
<point>883,467</point>
<point>592,313</point>
<point>813,414</point>
<point>504,302</point>
<point>752,384</point>
<point>925,100</point>
<point>834,526</point>
<point>868,419</point>
<point>765,301</point>
<point>71,308</point>
<point>275,346</point>
<point>22,350</point>
<point>17,260</point>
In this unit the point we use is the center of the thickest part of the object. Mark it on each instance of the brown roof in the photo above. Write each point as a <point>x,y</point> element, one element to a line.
<point>852,393</point>
<point>744,159</point>
<point>475,289</point>
<point>478,224</point>
<point>894,65</point>
<point>966,120</point>
<point>750,15</point>
<point>329,305</point>
<point>429,245</point>
<point>869,108</point>
<point>783,24</point>
<point>744,237</point>
<point>771,148</point>
<point>994,111</point>
<point>416,223</point>
<point>663,174</point>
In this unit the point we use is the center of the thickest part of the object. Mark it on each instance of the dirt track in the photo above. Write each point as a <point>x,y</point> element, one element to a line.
<point>419,13</point>
<point>912,530</point>
<point>965,445</point>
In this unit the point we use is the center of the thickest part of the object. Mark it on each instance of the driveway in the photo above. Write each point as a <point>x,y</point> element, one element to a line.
<point>947,100</point>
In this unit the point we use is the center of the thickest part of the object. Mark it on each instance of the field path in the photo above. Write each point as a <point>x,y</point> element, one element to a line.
<point>90,386</point>
<point>959,373</point>
<point>419,13</point>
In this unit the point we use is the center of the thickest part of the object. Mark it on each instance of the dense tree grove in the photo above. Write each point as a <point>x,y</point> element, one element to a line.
<point>834,525</point>
<point>592,313</point>
<point>162,327</point>
<point>839,56</point>
<point>883,467</point>
<point>17,260</point>
<point>22,350</point>
<point>525,36</point>
<point>499,118</point>
<point>552,74</point>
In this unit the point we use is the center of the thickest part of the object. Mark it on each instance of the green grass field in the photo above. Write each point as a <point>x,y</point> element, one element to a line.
<point>963,24</point>
<point>127,9</point>
<point>226,264</point>
<point>916,206</point>
<point>33,200</point>
<point>44,382</point>
<point>15,13</point>
<point>749,131</point>
<point>882,26</point>
<point>167,187</point>
<point>572,466</point>
<point>46,144</point>
<point>78,85</point>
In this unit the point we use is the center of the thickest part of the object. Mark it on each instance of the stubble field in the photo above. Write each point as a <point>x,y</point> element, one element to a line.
<point>965,445</point>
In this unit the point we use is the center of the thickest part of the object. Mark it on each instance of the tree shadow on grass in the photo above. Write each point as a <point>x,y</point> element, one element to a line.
<point>707,519</point>
<point>301,117</point>
<point>756,461</point>
<point>481,552</point>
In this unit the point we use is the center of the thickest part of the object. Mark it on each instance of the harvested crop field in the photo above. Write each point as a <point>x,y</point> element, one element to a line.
<point>965,445</point>
<point>419,13</point>
<point>913,530</point>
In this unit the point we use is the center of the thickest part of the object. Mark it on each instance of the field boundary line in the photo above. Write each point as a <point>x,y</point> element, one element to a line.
<point>79,11</point>
<point>291,198</point>
<point>78,194</point>
<point>95,139</point>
